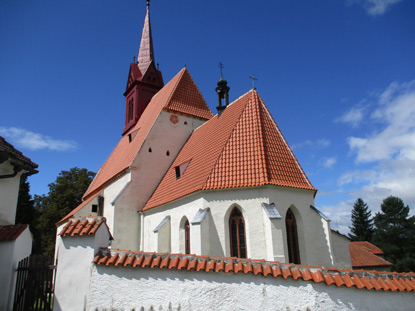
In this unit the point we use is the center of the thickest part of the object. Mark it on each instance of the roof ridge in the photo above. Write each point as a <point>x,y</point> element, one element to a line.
<point>286,144</point>
<point>226,143</point>
<point>263,157</point>
<point>179,78</point>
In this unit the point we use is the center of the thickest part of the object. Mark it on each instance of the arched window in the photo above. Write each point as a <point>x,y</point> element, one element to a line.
<point>187,237</point>
<point>130,110</point>
<point>292,237</point>
<point>237,234</point>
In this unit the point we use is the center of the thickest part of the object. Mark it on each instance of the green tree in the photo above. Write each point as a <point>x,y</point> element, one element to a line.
<point>64,195</point>
<point>395,234</point>
<point>362,222</point>
<point>25,213</point>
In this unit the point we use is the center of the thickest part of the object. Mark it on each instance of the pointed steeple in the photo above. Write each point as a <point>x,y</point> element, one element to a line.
<point>146,52</point>
<point>144,79</point>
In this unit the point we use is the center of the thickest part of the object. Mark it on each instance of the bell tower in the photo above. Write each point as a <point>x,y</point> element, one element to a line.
<point>144,79</point>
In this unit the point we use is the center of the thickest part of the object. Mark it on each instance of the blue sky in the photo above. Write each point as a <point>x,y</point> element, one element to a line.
<point>337,75</point>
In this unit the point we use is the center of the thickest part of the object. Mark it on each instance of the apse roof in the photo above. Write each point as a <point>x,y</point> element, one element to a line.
<point>243,147</point>
<point>180,95</point>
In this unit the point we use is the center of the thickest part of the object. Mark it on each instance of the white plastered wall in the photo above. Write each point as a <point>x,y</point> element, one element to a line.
<point>266,238</point>
<point>162,289</point>
<point>341,250</point>
<point>9,191</point>
<point>165,140</point>
<point>74,257</point>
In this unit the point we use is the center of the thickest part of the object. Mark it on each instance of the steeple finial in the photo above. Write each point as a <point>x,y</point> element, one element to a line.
<point>253,81</point>
<point>223,91</point>
<point>146,53</point>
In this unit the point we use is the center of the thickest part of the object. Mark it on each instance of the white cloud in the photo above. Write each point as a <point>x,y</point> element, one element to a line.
<point>319,143</point>
<point>22,138</point>
<point>396,138</point>
<point>328,162</point>
<point>384,158</point>
<point>375,7</point>
<point>354,116</point>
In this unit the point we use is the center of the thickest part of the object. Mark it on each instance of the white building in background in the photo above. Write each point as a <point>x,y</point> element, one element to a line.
<point>198,190</point>
<point>15,239</point>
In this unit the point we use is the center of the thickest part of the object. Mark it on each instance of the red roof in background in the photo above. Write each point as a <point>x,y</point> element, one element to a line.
<point>369,247</point>
<point>243,147</point>
<point>11,232</point>
<point>363,255</point>
<point>350,278</point>
<point>181,95</point>
<point>83,226</point>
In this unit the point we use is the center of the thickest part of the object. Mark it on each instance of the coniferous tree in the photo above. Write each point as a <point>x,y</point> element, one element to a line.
<point>25,212</point>
<point>395,234</point>
<point>362,222</point>
<point>64,195</point>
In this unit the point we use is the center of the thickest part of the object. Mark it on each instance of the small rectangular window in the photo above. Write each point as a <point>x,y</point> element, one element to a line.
<point>177,172</point>
<point>94,208</point>
<point>100,206</point>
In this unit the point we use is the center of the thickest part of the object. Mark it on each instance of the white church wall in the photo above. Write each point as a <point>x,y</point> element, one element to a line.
<point>265,237</point>
<point>341,250</point>
<point>9,191</point>
<point>314,244</point>
<point>161,289</point>
<point>159,149</point>
<point>186,207</point>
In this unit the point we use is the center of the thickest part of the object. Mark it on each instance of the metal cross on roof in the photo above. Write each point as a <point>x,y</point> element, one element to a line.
<point>221,67</point>
<point>148,3</point>
<point>253,81</point>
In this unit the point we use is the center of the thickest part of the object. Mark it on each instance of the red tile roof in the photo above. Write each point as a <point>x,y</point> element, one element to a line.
<point>364,255</point>
<point>243,147</point>
<point>11,232</point>
<point>180,95</point>
<point>82,226</point>
<point>349,278</point>
<point>369,247</point>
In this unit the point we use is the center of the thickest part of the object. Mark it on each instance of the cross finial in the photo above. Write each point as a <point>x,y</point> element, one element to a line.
<point>148,3</point>
<point>253,81</point>
<point>221,67</point>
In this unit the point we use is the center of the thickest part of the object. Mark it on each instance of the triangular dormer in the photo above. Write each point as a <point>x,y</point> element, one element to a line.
<point>144,79</point>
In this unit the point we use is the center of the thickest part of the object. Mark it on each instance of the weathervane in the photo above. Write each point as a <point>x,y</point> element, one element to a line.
<point>253,81</point>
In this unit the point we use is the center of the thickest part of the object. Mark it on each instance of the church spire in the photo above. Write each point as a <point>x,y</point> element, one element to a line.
<point>146,52</point>
<point>144,79</point>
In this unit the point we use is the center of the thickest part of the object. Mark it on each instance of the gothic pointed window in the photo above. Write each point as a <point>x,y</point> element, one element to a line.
<point>237,234</point>
<point>292,237</point>
<point>130,110</point>
<point>187,237</point>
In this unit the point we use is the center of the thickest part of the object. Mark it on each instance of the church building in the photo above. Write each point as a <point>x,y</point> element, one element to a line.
<point>183,180</point>
<point>187,182</point>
